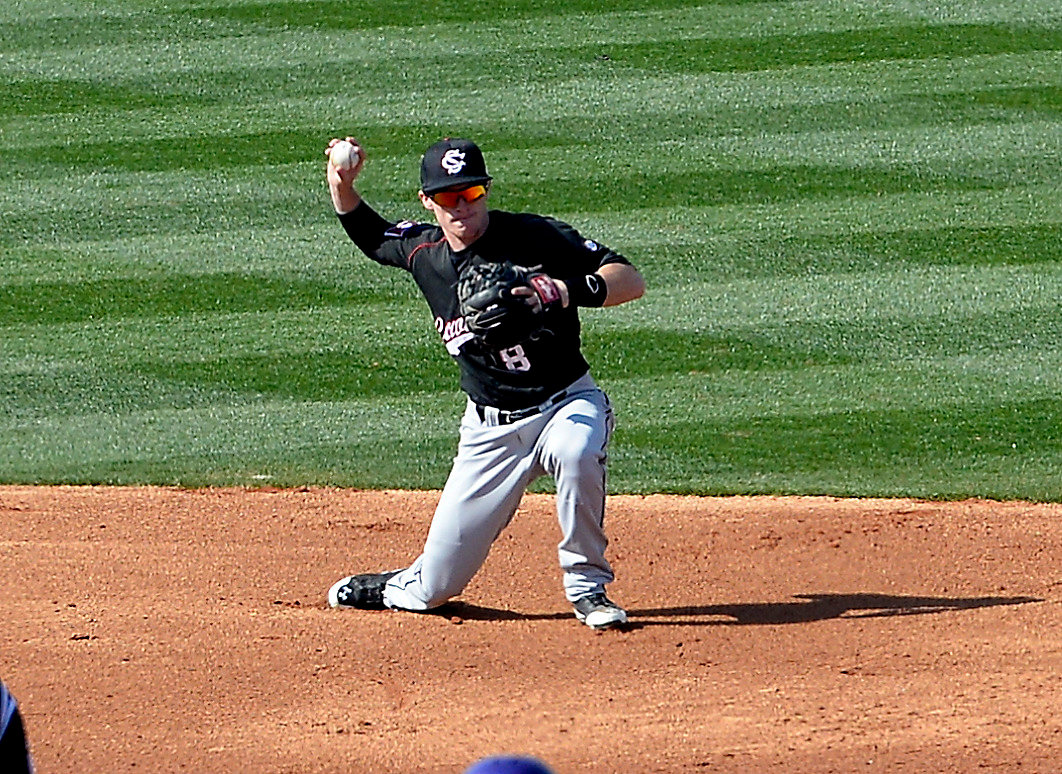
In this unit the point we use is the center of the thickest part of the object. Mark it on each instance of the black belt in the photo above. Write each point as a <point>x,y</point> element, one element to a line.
<point>508,417</point>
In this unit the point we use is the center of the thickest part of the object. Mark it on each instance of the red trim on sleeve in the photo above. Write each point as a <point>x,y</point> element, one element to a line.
<point>413,252</point>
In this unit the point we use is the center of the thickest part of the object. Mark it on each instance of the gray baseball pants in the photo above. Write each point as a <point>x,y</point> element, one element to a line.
<point>495,463</point>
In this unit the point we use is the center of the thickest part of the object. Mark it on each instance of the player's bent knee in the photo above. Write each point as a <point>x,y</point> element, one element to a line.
<point>578,461</point>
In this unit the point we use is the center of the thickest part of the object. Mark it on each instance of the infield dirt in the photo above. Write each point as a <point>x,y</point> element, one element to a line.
<point>166,630</point>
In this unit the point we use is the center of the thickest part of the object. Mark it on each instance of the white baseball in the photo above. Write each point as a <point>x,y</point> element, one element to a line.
<point>343,155</point>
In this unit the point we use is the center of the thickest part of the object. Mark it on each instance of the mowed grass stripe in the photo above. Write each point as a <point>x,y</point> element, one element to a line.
<point>938,428</point>
<point>138,22</point>
<point>34,94</point>
<point>198,335</point>
<point>738,256</point>
<point>763,170</point>
<point>686,105</point>
<point>770,187</point>
<point>280,442</point>
<point>919,317</point>
<point>67,78</point>
<point>344,278</point>
<point>1012,226</point>
<point>655,434</point>
<point>841,216</point>
<point>854,455</point>
<point>925,316</point>
<point>910,443</point>
<point>69,46</point>
<point>873,297</point>
<point>803,392</point>
<point>995,124</point>
<point>970,114</point>
<point>182,252</point>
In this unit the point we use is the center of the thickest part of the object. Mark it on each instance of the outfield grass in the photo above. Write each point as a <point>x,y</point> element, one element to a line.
<point>848,215</point>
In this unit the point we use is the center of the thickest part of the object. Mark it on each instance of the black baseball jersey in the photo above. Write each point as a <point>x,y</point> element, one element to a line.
<point>520,376</point>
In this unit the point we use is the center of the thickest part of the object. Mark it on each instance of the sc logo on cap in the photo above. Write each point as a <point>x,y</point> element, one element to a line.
<point>453,161</point>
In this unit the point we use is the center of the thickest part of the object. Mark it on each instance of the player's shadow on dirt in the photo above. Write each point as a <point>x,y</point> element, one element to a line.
<point>806,608</point>
<point>817,607</point>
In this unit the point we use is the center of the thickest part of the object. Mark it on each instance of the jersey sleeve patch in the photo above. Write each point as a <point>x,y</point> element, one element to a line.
<point>403,228</point>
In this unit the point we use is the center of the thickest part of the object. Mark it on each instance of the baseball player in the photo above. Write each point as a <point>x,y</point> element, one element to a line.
<point>509,764</point>
<point>14,753</point>
<point>533,408</point>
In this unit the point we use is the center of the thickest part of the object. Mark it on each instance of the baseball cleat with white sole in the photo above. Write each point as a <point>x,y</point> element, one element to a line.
<point>364,592</point>
<point>599,612</point>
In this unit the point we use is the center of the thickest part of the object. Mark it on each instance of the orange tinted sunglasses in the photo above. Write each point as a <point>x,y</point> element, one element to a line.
<point>449,199</point>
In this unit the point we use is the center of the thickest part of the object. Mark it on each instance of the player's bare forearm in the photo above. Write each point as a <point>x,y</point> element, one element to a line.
<point>344,198</point>
<point>624,283</point>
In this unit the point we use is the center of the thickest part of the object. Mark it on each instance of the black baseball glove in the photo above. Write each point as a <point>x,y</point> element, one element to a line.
<point>503,304</point>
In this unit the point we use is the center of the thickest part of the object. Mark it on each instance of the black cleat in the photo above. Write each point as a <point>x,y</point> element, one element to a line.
<point>364,592</point>
<point>599,612</point>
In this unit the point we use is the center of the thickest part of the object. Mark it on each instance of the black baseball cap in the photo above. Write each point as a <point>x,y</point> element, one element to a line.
<point>452,163</point>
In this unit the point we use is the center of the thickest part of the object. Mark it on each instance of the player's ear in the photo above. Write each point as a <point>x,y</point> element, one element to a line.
<point>425,200</point>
